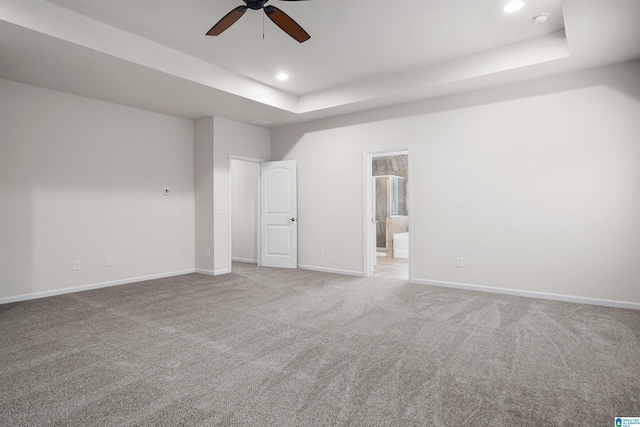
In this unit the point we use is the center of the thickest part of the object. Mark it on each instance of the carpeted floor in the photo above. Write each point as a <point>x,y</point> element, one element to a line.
<point>271,347</point>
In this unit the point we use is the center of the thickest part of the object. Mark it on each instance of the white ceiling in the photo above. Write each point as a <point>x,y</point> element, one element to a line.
<point>351,39</point>
<point>362,54</point>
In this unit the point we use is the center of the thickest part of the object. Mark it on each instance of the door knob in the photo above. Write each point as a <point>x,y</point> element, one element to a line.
<point>292,219</point>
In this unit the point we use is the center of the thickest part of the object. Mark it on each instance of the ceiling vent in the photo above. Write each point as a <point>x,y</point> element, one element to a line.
<point>541,18</point>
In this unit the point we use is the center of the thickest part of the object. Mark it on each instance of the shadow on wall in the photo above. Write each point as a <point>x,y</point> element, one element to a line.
<point>16,219</point>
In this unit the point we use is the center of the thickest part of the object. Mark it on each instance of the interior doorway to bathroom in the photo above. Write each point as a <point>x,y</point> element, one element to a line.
<point>388,213</point>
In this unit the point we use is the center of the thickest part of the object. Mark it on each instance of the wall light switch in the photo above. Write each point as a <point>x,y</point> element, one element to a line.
<point>208,252</point>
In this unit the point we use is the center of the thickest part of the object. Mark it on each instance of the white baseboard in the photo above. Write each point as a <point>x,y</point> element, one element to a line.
<point>455,285</point>
<point>331,270</point>
<point>530,294</point>
<point>213,272</point>
<point>44,294</point>
<point>247,260</point>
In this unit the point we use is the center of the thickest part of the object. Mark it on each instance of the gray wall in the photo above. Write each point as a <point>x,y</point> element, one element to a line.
<point>204,241</point>
<point>82,179</point>
<point>536,185</point>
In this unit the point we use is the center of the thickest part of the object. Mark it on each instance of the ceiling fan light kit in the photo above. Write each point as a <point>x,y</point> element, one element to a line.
<point>277,16</point>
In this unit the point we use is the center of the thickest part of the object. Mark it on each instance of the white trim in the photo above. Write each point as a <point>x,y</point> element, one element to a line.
<point>212,272</point>
<point>389,151</point>
<point>81,288</point>
<point>530,294</point>
<point>246,159</point>
<point>247,260</point>
<point>367,267</point>
<point>331,270</point>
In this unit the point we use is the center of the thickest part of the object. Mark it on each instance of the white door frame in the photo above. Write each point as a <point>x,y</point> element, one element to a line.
<point>369,155</point>
<point>258,246</point>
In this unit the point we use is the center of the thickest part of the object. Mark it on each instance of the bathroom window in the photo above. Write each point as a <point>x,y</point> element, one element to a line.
<point>394,195</point>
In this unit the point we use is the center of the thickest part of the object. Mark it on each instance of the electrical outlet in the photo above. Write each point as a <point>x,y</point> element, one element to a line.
<point>107,261</point>
<point>320,250</point>
<point>459,262</point>
<point>76,265</point>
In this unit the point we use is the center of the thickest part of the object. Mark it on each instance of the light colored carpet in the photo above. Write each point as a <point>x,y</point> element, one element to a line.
<point>271,347</point>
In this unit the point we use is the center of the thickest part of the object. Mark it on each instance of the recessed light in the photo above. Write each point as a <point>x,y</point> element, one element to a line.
<point>513,6</point>
<point>541,18</point>
<point>282,76</point>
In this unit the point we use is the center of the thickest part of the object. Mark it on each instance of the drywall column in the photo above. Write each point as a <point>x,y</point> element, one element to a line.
<point>241,140</point>
<point>204,195</point>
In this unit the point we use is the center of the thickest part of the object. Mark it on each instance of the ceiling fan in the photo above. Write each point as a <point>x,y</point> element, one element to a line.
<point>281,19</point>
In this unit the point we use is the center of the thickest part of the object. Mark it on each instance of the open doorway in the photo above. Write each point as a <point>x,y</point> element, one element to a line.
<point>244,195</point>
<point>388,213</point>
<point>263,211</point>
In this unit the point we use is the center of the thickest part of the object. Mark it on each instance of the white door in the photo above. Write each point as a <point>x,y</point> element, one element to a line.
<point>279,214</point>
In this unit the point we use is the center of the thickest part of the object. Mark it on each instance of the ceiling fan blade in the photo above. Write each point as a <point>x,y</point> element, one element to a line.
<point>286,23</point>
<point>227,21</point>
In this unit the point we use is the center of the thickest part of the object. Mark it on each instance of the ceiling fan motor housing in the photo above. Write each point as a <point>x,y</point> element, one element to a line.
<point>255,4</point>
